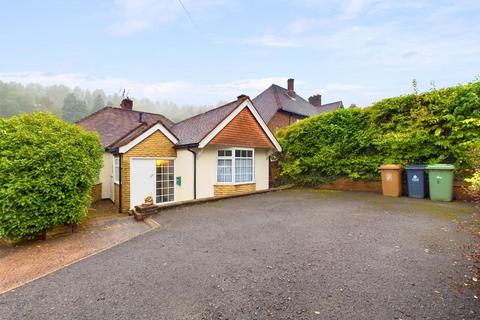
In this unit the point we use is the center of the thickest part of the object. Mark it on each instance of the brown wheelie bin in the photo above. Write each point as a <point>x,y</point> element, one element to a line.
<point>391,180</point>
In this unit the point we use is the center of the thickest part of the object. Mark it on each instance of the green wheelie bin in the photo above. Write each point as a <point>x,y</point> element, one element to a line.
<point>440,181</point>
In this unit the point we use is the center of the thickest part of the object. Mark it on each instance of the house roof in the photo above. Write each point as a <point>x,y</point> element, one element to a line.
<point>119,128</point>
<point>276,98</point>
<point>194,129</point>
<point>116,125</point>
<point>331,106</point>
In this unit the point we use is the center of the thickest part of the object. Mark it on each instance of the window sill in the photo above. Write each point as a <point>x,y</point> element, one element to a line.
<point>233,183</point>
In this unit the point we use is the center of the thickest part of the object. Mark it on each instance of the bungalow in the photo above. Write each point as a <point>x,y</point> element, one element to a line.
<point>220,152</point>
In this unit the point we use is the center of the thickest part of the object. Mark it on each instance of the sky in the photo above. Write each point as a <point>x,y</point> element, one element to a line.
<point>358,51</point>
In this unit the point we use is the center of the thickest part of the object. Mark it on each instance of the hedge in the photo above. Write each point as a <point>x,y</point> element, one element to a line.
<point>47,169</point>
<point>439,126</point>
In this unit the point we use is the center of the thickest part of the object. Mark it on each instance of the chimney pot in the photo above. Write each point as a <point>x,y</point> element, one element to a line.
<point>127,104</point>
<point>316,100</point>
<point>291,87</point>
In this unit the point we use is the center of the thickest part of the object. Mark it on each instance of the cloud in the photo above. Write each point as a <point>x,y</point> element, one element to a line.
<point>132,16</point>
<point>273,41</point>
<point>183,92</point>
<point>129,17</point>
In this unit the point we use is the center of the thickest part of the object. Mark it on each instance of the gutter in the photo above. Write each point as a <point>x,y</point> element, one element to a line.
<point>194,173</point>
<point>120,184</point>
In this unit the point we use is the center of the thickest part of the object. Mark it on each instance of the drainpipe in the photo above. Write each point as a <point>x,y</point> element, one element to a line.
<point>194,173</point>
<point>120,184</point>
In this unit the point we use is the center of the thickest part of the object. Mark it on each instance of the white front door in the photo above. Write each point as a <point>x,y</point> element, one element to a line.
<point>142,180</point>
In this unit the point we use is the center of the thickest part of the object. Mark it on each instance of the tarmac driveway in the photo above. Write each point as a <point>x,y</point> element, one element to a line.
<point>297,254</point>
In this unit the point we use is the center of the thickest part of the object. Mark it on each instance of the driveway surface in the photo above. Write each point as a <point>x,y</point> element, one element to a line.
<point>103,229</point>
<point>296,254</point>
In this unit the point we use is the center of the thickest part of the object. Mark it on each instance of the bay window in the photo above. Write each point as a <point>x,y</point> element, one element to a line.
<point>235,166</point>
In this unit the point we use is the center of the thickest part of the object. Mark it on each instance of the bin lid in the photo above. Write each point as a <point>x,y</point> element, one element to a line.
<point>415,167</point>
<point>391,167</point>
<point>440,166</point>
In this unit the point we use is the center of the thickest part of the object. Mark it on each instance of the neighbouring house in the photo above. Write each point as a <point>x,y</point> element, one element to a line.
<point>220,152</point>
<point>280,107</point>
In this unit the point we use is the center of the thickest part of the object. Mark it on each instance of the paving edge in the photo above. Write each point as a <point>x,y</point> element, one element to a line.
<point>209,199</point>
<point>151,223</point>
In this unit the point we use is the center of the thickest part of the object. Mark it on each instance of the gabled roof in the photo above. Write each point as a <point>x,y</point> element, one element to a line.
<point>138,136</point>
<point>276,98</point>
<point>194,129</point>
<point>244,102</point>
<point>122,129</point>
<point>116,125</point>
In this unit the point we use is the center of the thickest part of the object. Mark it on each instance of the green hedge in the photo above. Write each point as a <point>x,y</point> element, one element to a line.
<point>440,126</point>
<point>47,169</point>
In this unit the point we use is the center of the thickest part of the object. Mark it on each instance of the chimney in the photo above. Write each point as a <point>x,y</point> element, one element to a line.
<point>316,100</point>
<point>140,117</point>
<point>291,87</point>
<point>242,96</point>
<point>127,104</point>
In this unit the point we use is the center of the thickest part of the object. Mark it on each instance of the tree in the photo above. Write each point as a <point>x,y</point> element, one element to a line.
<point>47,170</point>
<point>73,109</point>
<point>98,103</point>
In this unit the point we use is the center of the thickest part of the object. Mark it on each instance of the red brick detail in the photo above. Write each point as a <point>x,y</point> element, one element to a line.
<point>243,131</point>
<point>96,192</point>
<point>281,120</point>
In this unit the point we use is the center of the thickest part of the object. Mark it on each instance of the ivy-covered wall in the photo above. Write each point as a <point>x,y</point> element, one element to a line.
<point>439,126</point>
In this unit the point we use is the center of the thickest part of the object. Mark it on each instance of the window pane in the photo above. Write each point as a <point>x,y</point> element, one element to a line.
<point>165,186</point>
<point>243,170</point>
<point>116,169</point>
<point>224,170</point>
<point>228,153</point>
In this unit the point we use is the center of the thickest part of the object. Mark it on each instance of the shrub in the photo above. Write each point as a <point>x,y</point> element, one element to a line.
<point>433,127</point>
<point>47,169</point>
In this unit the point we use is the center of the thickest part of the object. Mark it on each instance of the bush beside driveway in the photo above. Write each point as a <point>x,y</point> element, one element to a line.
<point>296,254</point>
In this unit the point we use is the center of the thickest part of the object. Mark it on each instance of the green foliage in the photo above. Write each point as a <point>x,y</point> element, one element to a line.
<point>98,103</point>
<point>440,126</point>
<point>474,180</point>
<point>47,169</point>
<point>73,109</point>
<point>16,98</point>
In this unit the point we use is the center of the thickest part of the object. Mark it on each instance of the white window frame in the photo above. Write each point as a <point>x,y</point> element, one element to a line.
<point>174,181</point>
<point>232,157</point>
<point>116,169</point>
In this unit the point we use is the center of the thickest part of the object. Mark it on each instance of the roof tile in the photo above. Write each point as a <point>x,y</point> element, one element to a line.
<point>277,98</point>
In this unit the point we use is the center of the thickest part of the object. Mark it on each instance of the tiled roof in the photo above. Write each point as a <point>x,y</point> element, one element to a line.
<point>194,129</point>
<point>276,98</point>
<point>332,106</point>
<point>116,125</point>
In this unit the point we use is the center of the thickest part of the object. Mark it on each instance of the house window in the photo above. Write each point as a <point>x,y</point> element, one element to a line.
<point>224,166</point>
<point>165,181</point>
<point>235,165</point>
<point>116,169</point>
<point>243,165</point>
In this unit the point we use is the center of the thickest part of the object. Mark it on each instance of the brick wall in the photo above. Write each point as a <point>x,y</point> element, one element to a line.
<point>96,192</point>
<point>281,120</point>
<point>226,190</point>
<point>116,195</point>
<point>156,145</point>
